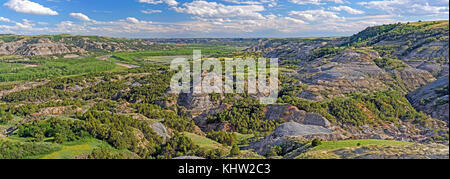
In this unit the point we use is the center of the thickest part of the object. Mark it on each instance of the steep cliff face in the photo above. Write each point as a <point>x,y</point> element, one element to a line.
<point>433,99</point>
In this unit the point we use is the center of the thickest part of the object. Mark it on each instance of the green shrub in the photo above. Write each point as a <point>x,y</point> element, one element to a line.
<point>316,142</point>
<point>235,150</point>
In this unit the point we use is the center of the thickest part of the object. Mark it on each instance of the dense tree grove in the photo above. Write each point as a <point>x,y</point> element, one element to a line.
<point>105,153</point>
<point>5,117</point>
<point>177,146</point>
<point>235,150</point>
<point>20,150</point>
<point>246,118</point>
<point>170,118</point>
<point>102,120</point>
<point>226,138</point>
<point>390,64</point>
<point>360,109</point>
<point>326,52</point>
<point>60,130</point>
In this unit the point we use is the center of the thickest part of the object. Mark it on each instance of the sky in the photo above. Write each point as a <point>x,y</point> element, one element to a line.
<point>207,18</point>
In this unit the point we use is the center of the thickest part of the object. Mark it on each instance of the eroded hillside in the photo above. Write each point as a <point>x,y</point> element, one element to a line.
<point>382,93</point>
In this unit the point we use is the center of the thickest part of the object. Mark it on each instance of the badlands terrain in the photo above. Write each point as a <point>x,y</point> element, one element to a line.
<point>379,94</point>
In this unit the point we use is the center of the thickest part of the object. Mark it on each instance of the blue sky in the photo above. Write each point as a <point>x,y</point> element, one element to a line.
<point>206,18</point>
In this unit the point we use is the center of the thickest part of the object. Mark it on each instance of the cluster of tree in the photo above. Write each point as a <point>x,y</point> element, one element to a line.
<point>226,138</point>
<point>276,150</point>
<point>211,154</point>
<point>60,130</point>
<point>370,32</point>
<point>21,110</point>
<point>179,145</point>
<point>360,109</point>
<point>122,132</point>
<point>325,52</point>
<point>348,111</point>
<point>235,150</point>
<point>41,93</point>
<point>245,119</point>
<point>152,87</point>
<point>104,90</point>
<point>68,102</point>
<point>5,117</point>
<point>290,86</point>
<point>106,153</point>
<point>107,105</point>
<point>21,150</point>
<point>390,64</point>
<point>170,119</point>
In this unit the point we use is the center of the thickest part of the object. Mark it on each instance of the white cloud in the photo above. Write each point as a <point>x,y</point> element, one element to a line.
<point>315,2</point>
<point>150,11</point>
<point>151,1</point>
<point>212,10</point>
<point>318,15</point>
<point>346,9</point>
<point>168,2</point>
<point>410,7</point>
<point>243,2</point>
<point>236,18</point>
<point>4,19</point>
<point>26,6</point>
<point>269,3</point>
<point>171,2</point>
<point>80,16</point>
<point>132,20</point>
<point>26,24</point>
<point>276,25</point>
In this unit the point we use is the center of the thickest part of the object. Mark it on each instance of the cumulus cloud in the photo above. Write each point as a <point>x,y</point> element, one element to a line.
<point>28,7</point>
<point>132,20</point>
<point>212,10</point>
<point>315,15</point>
<point>276,25</point>
<point>4,19</point>
<point>414,7</point>
<point>315,2</point>
<point>346,9</point>
<point>26,24</point>
<point>150,11</point>
<point>80,16</point>
<point>18,26</point>
<point>231,18</point>
<point>171,2</point>
<point>270,3</point>
<point>168,2</point>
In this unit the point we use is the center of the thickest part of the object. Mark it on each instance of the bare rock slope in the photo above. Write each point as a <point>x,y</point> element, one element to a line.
<point>432,99</point>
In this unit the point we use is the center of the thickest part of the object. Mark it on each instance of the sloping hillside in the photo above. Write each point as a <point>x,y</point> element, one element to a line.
<point>432,99</point>
<point>64,43</point>
<point>402,57</point>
